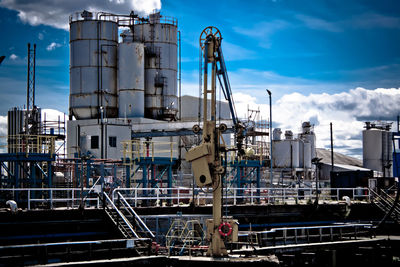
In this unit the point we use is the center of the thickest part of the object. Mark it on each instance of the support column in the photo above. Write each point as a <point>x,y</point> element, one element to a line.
<point>128,176</point>
<point>88,168</point>
<point>258,183</point>
<point>169,182</point>
<point>144,180</point>
<point>49,176</point>
<point>102,177</point>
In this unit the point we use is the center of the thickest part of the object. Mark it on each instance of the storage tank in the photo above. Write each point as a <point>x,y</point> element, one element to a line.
<point>15,126</point>
<point>305,155</point>
<point>130,77</point>
<point>377,150</point>
<point>276,134</point>
<point>308,136</point>
<point>288,135</point>
<point>285,153</point>
<point>159,35</point>
<point>93,65</point>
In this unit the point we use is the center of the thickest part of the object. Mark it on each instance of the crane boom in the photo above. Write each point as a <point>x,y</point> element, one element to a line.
<point>206,158</point>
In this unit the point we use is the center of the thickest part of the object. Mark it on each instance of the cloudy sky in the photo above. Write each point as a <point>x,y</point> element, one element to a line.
<point>324,61</point>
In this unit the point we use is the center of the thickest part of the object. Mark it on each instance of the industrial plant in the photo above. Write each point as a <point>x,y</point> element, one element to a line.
<point>137,173</point>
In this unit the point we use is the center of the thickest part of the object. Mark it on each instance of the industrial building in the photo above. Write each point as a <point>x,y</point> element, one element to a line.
<point>137,168</point>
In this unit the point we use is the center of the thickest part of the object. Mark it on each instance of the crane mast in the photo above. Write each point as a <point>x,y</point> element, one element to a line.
<point>206,158</point>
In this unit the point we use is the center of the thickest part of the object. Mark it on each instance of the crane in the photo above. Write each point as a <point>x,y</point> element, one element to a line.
<point>206,158</point>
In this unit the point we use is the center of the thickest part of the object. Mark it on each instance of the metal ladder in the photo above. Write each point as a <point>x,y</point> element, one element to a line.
<point>384,202</point>
<point>118,218</point>
<point>139,227</point>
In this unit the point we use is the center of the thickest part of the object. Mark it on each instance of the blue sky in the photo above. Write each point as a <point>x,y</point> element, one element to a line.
<point>305,51</point>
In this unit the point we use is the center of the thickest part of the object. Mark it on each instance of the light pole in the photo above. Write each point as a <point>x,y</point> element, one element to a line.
<point>270,137</point>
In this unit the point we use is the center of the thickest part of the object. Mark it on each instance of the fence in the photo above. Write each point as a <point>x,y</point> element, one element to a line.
<point>50,197</point>
<point>180,196</point>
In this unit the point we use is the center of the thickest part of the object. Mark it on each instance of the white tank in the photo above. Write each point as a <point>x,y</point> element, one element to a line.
<point>276,134</point>
<point>159,35</point>
<point>93,65</point>
<point>310,138</point>
<point>288,135</point>
<point>377,149</point>
<point>130,78</point>
<point>304,155</point>
<point>285,153</point>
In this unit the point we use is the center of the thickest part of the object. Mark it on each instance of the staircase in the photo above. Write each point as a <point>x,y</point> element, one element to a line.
<point>128,223</point>
<point>133,218</point>
<point>384,202</point>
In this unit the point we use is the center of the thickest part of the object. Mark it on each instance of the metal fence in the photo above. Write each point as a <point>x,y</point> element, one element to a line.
<point>234,196</point>
<point>49,198</point>
<point>180,196</point>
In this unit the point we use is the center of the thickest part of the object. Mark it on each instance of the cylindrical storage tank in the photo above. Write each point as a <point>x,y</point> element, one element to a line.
<point>15,126</point>
<point>288,135</point>
<point>310,138</point>
<point>304,155</point>
<point>93,65</point>
<point>130,79</point>
<point>372,149</point>
<point>285,153</point>
<point>377,149</point>
<point>276,134</point>
<point>159,35</point>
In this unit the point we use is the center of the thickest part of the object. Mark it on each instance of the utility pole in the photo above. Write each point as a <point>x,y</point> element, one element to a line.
<point>271,172</point>
<point>332,163</point>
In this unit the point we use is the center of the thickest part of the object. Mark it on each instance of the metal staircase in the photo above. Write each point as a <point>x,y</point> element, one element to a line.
<point>384,202</point>
<point>128,223</point>
<point>139,227</point>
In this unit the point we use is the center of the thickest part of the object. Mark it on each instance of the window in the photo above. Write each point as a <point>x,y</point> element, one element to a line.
<point>94,142</point>
<point>112,141</point>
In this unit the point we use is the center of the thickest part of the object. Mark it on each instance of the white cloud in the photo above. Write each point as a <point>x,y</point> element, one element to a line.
<point>13,56</point>
<point>358,21</point>
<point>40,36</point>
<point>53,46</point>
<point>318,23</point>
<point>374,20</point>
<point>263,31</point>
<point>56,13</point>
<point>3,125</point>
<point>347,111</point>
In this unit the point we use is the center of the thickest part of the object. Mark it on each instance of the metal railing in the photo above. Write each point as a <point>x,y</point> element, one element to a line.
<point>184,195</point>
<point>312,234</point>
<point>119,216</point>
<point>180,196</point>
<point>21,143</point>
<point>138,220</point>
<point>50,197</point>
<point>135,150</point>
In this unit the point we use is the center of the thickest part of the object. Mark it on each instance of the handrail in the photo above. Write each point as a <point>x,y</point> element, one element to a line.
<point>386,201</point>
<point>120,214</point>
<point>274,230</point>
<point>135,214</point>
<point>183,195</point>
<point>91,189</point>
